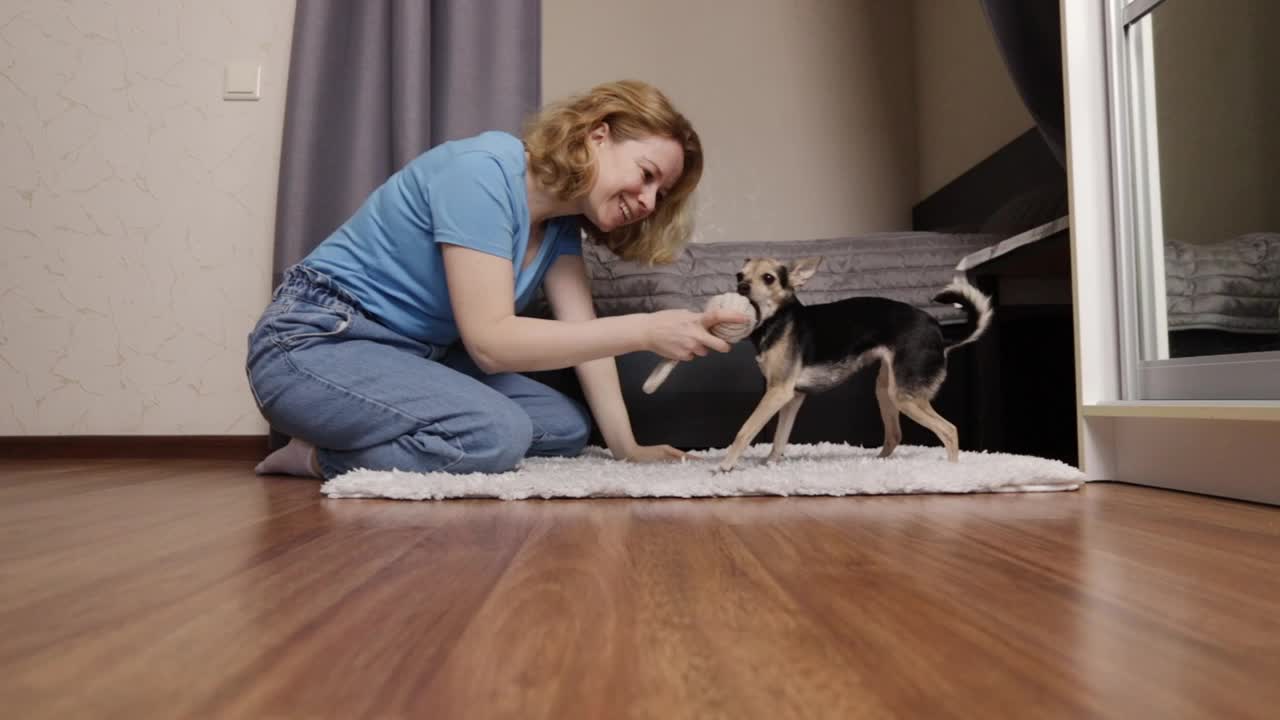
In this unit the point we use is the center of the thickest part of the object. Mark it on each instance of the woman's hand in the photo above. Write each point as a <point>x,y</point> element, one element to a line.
<point>649,453</point>
<point>683,335</point>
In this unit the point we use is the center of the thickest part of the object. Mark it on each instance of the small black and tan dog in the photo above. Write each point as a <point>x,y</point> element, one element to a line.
<point>807,349</point>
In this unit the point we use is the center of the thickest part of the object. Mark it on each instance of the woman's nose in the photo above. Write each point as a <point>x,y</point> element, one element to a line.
<point>647,199</point>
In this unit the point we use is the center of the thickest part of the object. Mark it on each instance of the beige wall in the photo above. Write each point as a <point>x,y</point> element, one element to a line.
<point>805,107</point>
<point>1218,113</point>
<point>136,212</point>
<point>967,106</point>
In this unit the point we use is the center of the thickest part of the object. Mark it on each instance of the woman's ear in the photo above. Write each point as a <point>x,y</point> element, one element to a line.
<point>600,133</point>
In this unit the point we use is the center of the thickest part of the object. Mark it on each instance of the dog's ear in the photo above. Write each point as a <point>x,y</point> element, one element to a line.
<point>801,270</point>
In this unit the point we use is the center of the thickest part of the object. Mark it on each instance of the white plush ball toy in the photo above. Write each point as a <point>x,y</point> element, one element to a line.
<point>729,332</point>
<point>732,332</point>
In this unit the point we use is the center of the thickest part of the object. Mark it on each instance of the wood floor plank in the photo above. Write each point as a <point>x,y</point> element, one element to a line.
<point>137,589</point>
<point>155,665</point>
<point>913,606</point>
<point>132,529</point>
<point>386,638</point>
<point>540,636</point>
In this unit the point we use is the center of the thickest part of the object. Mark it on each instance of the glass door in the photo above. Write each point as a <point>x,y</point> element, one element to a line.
<point>1197,100</point>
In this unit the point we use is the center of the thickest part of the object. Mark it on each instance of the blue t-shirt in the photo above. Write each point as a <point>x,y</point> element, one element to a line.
<point>466,192</point>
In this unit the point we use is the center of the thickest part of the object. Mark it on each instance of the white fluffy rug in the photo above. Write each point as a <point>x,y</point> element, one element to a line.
<point>822,469</point>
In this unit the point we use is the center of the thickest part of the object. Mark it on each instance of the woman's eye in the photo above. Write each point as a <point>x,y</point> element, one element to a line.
<point>768,279</point>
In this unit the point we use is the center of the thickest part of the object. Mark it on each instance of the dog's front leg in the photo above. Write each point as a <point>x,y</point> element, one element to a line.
<point>773,401</point>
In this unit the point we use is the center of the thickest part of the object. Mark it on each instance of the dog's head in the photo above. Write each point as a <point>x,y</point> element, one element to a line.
<point>769,284</point>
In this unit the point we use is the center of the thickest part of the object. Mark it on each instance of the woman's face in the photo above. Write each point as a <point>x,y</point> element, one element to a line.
<point>632,176</point>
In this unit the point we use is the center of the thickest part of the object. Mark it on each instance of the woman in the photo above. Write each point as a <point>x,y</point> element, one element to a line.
<point>396,343</point>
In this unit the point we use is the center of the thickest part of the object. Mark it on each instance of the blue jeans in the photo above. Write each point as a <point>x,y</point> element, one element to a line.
<point>323,371</point>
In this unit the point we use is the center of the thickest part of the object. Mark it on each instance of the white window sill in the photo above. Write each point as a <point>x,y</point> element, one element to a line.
<point>1261,410</point>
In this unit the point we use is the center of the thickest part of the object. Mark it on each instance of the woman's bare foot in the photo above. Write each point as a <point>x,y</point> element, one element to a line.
<point>296,458</point>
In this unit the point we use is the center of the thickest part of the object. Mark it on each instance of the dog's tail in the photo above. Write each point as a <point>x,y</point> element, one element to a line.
<point>976,306</point>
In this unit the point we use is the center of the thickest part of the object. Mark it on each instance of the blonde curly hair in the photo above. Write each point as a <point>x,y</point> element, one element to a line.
<point>561,160</point>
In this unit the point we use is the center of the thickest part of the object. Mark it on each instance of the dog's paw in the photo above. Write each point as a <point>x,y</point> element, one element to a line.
<point>725,466</point>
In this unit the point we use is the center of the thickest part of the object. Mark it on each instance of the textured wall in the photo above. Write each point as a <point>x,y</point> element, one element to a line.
<point>136,212</point>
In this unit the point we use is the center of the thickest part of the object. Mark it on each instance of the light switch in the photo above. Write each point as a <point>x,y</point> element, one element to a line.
<point>242,81</point>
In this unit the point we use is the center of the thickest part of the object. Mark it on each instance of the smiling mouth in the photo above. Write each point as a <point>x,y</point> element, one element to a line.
<point>626,211</point>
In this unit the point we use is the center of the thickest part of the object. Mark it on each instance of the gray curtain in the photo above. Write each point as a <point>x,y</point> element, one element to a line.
<point>1029,35</point>
<point>374,83</point>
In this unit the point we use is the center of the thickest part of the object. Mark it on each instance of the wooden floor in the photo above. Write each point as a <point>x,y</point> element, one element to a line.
<point>172,589</point>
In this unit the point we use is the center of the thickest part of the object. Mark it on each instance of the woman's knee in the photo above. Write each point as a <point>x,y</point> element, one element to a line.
<point>579,431</point>
<point>563,432</point>
<point>498,442</point>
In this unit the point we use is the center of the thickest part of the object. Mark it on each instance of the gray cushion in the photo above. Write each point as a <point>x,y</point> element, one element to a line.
<point>907,266</point>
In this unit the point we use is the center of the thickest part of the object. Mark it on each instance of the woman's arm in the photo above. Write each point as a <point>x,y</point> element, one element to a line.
<point>480,289</point>
<point>569,292</point>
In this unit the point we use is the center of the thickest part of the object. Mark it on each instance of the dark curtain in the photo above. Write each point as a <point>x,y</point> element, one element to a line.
<point>1028,33</point>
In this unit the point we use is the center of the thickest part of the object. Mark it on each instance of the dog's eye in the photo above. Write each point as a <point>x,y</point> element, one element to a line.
<point>739,277</point>
<point>768,279</point>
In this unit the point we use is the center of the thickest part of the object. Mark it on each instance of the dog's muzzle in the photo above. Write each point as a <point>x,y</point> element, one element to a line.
<point>744,289</point>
